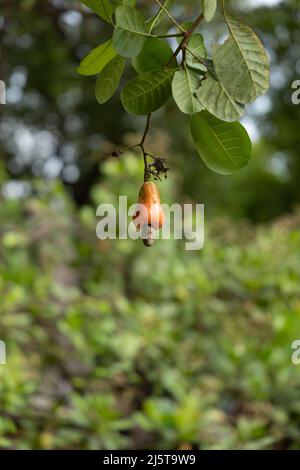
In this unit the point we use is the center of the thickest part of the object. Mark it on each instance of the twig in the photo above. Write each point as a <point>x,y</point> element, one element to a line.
<point>181,47</point>
<point>146,130</point>
<point>188,34</point>
<point>176,35</point>
<point>169,15</point>
<point>141,145</point>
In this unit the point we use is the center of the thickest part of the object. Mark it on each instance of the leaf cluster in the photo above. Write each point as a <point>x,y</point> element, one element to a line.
<point>213,90</point>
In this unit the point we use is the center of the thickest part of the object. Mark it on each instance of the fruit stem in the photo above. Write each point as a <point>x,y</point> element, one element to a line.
<point>141,145</point>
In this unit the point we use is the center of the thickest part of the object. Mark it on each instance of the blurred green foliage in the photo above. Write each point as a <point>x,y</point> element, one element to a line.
<point>112,345</point>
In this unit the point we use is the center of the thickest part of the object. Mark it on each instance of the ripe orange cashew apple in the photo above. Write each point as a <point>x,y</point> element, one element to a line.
<point>149,215</point>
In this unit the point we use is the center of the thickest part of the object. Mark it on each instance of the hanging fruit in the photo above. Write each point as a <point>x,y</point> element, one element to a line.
<point>149,215</point>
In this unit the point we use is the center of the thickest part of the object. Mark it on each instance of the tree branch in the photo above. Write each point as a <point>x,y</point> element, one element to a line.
<point>181,47</point>
<point>188,34</point>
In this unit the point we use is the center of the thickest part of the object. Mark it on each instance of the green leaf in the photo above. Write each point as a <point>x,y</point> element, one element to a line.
<point>196,48</point>
<point>209,9</point>
<point>147,92</point>
<point>224,147</point>
<point>209,65</point>
<point>155,54</point>
<point>96,60</point>
<point>156,19</point>
<point>130,33</point>
<point>241,63</point>
<point>184,86</point>
<point>102,8</point>
<point>116,4</point>
<point>129,3</point>
<point>213,96</point>
<point>109,79</point>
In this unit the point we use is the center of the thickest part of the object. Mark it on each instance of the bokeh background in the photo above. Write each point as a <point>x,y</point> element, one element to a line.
<point>111,345</point>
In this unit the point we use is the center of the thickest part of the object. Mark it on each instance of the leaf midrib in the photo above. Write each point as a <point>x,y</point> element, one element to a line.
<point>221,145</point>
<point>150,89</point>
<point>237,43</point>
